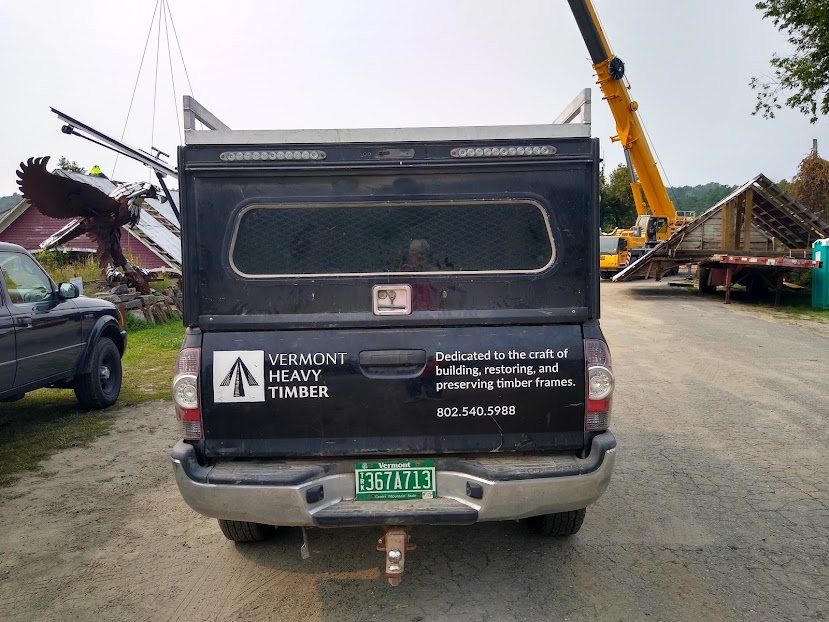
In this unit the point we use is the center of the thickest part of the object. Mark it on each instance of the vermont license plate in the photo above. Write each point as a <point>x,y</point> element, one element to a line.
<point>395,479</point>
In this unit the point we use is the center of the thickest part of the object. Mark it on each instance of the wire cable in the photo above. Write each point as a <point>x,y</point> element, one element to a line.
<point>155,85</point>
<point>172,73</point>
<point>135,88</point>
<point>659,162</point>
<point>183,64</point>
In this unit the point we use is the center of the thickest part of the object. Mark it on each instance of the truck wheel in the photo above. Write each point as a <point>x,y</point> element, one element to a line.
<point>606,274</point>
<point>100,384</point>
<point>560,523</point>
<point>704,287</point>
<point>243,531</point>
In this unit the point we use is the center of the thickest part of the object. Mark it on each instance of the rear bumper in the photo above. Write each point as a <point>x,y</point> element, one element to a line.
<point>320,493</point>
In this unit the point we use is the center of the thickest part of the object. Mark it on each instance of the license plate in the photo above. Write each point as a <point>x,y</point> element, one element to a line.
<point>395,479</point>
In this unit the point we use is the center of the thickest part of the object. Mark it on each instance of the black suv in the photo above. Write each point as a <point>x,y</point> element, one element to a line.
<point>52,337</point>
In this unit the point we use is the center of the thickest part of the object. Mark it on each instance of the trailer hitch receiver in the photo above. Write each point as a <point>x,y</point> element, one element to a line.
<point>395,543</point>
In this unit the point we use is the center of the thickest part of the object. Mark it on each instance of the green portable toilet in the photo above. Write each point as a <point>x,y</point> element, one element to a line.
<point>820,276</point>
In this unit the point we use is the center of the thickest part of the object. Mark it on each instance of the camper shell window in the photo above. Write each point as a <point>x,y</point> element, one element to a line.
<point>457,237</point>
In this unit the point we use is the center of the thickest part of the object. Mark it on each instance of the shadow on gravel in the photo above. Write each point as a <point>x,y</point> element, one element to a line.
<point>659,290</point>
<point>454,573</point>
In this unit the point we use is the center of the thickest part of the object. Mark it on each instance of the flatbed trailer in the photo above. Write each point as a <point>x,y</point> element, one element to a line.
<point>755,272</point>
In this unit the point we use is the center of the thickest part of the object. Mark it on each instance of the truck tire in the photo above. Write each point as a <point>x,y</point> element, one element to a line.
<point>704,287</point>
<point>560,523</point>
<point>243,531</point>
<point>100,384</point>
<point>606,274</point>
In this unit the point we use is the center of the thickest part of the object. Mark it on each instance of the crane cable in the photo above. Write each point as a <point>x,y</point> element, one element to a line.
<point>659,162</point>
<point>165,16</point>
<point>135,88</point>
<point>155,77</point>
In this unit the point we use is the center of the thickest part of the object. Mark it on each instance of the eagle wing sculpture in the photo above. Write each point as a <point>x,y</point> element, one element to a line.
<point>95,213</point>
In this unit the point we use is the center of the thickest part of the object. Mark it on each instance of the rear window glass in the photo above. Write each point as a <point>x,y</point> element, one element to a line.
<point>345,239</point>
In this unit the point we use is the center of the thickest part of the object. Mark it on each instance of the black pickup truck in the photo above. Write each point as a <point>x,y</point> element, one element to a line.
<point>392,328</point>
<point>52,337</point>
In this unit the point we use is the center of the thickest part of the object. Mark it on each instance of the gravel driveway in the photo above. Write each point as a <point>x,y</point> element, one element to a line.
<point>719,508</point>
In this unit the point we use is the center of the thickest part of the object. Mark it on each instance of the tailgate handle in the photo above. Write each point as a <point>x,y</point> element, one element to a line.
<point>392,364</point>
<point>392,358</point>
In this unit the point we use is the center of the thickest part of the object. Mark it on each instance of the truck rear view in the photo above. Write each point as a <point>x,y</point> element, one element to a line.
<point>392,328</point>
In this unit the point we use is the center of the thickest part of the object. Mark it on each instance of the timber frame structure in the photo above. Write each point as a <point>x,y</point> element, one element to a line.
<point>758,219</point>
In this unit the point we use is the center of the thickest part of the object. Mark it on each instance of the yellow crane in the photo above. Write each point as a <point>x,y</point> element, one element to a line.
<point>658,219</point>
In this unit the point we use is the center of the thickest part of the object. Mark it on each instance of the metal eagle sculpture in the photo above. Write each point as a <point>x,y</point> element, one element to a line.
<point>95,213</point>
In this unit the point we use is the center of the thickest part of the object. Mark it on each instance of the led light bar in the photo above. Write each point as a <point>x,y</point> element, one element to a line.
<point>499,152</point>
<point>254,156</point>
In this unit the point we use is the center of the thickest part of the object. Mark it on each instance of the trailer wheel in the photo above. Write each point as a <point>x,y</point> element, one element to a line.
<point>704,287</point>
<point>756,287</point>
<point>560,523</point>
<point>243,531</point>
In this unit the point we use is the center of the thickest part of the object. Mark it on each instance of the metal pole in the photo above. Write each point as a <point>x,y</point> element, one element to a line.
<point>169,196</point>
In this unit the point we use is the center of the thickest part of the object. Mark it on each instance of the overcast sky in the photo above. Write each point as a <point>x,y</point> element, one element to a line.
<point>261,64</point>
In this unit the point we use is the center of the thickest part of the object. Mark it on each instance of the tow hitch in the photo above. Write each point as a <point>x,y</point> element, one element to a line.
<point>394,544</point>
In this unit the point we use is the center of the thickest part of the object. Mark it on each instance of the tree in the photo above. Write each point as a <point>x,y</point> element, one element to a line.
<point>804,75</point>
<point>9,202</point>
<point>71,167</point>
<point>810,185</point>
<point>617,206</point>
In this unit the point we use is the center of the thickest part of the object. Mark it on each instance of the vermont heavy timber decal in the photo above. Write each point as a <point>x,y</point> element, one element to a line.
<point>254,375</point>
<point>239,376</point>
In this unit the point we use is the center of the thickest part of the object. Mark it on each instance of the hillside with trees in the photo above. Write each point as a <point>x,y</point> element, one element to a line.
<point>6,203</point>
<point>700,198</point>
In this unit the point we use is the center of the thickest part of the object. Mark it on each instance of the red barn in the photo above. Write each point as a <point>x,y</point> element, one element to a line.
<point>154,243</point>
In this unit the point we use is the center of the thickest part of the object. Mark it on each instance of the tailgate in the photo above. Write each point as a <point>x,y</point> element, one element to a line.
<point>392,391</point>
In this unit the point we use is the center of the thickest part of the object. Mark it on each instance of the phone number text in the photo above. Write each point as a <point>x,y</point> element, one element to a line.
<point>476,411</point>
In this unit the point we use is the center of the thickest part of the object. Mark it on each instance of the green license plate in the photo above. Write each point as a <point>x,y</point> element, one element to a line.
<point>395,479</point>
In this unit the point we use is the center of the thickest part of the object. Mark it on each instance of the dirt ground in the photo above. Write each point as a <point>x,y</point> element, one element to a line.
<point>718,510</point>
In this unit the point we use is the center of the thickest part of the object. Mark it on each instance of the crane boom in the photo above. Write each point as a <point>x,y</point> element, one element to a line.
<point>610,71</point>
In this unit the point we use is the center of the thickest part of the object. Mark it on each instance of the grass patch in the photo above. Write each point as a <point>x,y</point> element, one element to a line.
<point>792,302</point>
<point>62,267</point>
<point>48,420</point>
<point>148,363</point>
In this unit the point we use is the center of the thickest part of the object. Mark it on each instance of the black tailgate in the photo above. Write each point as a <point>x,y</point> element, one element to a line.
<point>391,391</point>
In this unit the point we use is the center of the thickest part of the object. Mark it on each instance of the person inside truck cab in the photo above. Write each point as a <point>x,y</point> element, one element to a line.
<point>653,227</point>
<point>418,258</point>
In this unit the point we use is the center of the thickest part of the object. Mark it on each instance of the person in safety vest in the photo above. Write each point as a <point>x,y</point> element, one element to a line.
<point>96,172</point>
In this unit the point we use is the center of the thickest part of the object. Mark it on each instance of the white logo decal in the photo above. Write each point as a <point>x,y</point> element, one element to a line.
<point>239,376</point>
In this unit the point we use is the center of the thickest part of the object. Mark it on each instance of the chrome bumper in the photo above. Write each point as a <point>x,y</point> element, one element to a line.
<point>320,493</point>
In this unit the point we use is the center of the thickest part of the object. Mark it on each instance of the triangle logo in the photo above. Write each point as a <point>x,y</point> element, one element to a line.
<point>239,376</point>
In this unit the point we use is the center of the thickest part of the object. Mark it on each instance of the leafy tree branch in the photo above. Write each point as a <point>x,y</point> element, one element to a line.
<point>803,76</point>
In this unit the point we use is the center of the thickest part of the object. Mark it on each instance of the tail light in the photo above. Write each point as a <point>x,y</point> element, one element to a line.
<point>186,394</point>
<point>600,383</point>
